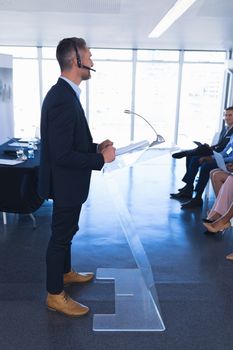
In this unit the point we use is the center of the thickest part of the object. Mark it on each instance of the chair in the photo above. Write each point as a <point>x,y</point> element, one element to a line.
<point>18,192</point>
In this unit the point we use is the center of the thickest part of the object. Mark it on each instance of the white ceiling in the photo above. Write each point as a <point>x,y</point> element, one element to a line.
<point>207,25</point>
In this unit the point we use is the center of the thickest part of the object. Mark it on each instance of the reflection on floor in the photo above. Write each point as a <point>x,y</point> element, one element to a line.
<point>192,277</point>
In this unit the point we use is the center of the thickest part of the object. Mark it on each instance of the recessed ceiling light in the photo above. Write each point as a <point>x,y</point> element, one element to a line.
<point>172,15</point>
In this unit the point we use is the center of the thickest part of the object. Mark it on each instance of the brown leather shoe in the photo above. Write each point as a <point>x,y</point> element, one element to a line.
<point>78,277</point>
<point>64,304</point>
<point>229,256</point>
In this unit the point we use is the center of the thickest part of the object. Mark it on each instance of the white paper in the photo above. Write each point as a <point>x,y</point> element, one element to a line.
<point>132,147</point>
<point>10,161</point>
<point>18,144</point>
<point>220,161</point>
<point>28,139</point>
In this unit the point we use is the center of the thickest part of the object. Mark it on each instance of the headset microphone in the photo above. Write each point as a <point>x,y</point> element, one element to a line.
<point>86,67</point>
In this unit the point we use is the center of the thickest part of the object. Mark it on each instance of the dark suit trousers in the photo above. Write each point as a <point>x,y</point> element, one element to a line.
<point>193,169</point>
<point>195,152</point>
<point>58,257</point>
<point>204,176</point>
<point>188,159</point>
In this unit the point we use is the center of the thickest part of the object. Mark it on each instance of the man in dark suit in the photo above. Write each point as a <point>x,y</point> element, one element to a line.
<point>201,158</point>
<point>68,156</point>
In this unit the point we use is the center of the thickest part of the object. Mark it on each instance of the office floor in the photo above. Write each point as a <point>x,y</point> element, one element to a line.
<point>192,277</point>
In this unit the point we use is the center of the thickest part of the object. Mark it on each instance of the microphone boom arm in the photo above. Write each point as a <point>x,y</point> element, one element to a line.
<point>159,138</point>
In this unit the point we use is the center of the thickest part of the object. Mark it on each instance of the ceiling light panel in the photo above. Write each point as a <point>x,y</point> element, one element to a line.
<point>175,12</point>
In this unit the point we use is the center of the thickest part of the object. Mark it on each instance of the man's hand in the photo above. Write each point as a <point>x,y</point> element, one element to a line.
<point>229,167</point>
<point>103,145</point>
<point>109,154</point>
<point>205,159</point>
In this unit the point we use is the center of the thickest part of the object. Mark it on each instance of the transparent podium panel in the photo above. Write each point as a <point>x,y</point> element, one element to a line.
<point>137,153</point>
<point>136,300</point>
<point>135,308</point>
<point>127,156</point>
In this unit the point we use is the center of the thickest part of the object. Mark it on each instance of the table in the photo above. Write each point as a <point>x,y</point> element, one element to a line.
<point>29,164</point>
<point>18,184</point>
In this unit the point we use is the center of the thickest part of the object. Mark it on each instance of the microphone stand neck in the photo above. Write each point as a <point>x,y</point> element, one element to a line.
<point>147,123</point>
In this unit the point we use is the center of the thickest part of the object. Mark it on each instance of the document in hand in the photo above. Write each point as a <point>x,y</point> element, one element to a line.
<point>136,146</point>
<point>220,161</point>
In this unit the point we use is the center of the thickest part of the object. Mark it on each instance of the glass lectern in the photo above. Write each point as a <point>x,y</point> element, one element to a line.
<point>136,301</point>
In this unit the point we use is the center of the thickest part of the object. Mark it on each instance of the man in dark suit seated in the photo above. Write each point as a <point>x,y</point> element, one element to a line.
<point>201,158</point>
<point>68,156</point>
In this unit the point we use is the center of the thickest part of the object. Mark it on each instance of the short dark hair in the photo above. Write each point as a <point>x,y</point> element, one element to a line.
<point>229,108</point>
<point>66,50</point>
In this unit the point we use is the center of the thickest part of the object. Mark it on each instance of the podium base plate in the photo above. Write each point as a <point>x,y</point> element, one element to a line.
<point>135,307</point>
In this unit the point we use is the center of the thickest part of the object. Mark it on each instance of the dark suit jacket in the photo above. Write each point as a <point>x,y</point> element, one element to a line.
<point>224,138</point>
<point>68,154</point>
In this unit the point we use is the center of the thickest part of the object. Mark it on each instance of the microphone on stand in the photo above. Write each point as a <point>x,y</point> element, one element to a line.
<point>159,138</point>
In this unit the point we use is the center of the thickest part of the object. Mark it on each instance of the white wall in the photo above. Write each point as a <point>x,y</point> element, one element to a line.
<point>6,98</point>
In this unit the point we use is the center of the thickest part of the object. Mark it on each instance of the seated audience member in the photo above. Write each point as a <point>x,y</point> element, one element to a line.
<point>222,222</point>
<point>218,177</point>
<point>224,193</point>
<point>205,149</point>
<point>206,164</point>
<point>200,151</point>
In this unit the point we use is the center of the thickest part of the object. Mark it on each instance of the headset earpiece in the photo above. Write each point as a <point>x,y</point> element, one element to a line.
<point>78,59</point>
<point>79,63</point>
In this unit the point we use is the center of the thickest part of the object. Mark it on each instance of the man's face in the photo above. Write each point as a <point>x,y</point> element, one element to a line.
<point>228,115</point>
<point>86,61</point>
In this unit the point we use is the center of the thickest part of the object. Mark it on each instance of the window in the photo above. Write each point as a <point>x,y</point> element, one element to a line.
<point>204,56</point>
<point>111,91</point>
<point>156,94</point>
<point>50,74</point>
<point>25,89</point>
<point>111,54</point>
<point>200,103</point>
<point>158,55</point>
<point>26,97</point>
<point>19,52</point>
<point>110,94</point>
